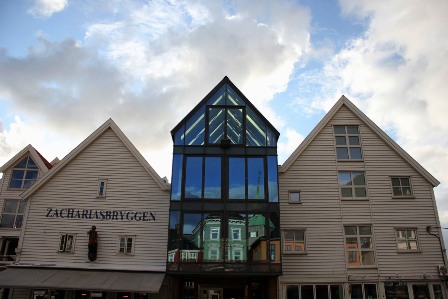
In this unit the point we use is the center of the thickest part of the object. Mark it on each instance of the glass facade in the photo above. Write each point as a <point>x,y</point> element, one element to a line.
<point>224,213</point>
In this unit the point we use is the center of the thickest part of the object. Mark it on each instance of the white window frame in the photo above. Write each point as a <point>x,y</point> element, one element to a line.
<point>352,185</point>
<point>295,197</point>
<point>401,187</point>
<point>124,249</point>
<point>214,230</point>
<point>347,144</point>
<point>102,187</point>
<point>211,256</point>
<point>359,249</point>
<point>16,213</point>
<point>67,243</point>
<point>290,246</point>
<point>238,231</point>
<point>406,239</point>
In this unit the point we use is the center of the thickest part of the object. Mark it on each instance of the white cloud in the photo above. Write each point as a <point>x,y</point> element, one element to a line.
<point>287,147</point>
<point>45,8</point>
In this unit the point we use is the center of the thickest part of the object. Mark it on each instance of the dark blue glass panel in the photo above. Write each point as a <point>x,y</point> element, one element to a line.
<point>235,125</point>
<point>31,163</point>
<point>218,98</point>
<point>31,174</point>
<point>191,233</point>
<point>272,179</point>
<point>176,178</point>
<point>255,129</point>
<point>272,140</point>
<point>174,233</point>
<point>17,174</point>
<point>193,177</point>
<point>215,125</point>
<point>232,98</point>
<point>237,178</point>
<point>195,128</point>
<point>255,178</point>
<point>179,136</point>
<point>22,164</point>
<point>212,178</point>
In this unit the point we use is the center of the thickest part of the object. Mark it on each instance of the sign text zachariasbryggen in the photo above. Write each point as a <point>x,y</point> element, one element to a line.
<point>101,214</point>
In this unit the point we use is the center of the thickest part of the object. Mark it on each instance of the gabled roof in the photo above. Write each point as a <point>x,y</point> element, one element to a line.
<point>343,101</point>
<point>109,124</point>
<point>40,161</point>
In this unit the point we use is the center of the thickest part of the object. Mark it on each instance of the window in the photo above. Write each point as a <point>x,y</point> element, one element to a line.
<point>352,184</point>
<point>102,188</point>
<point>293,241</point>
<point>126,244</point>
<point>24,174</point>
<point>407,239</point>
<point>66,243</point>
<point>12,215</point>
<point>213,254</point>
<point>359,246</point>
<point>237,254</point>
<point>236,234</point>
<point>401,186</point>
<point>8,248</point>
<point>272,249</point>
<point>214,233</point>
<point>363,291</point>
<point>294,197</point>
<point>348,145</point>
<point>318,291</point>
<point>396,289</point>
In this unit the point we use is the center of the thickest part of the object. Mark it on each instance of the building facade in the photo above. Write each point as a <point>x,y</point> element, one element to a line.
<point>348,215</point>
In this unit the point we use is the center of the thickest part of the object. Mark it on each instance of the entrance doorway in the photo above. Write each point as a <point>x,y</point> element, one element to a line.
<point>222,293</point>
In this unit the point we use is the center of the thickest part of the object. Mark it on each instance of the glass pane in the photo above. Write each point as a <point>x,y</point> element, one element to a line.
<point>237,178</point>
<point>339,129</point>
<point>353,258</point>
<point>232,98</point>
<point>274,237</point>
<point>345,179</point>
<point>19,220</point>
<point>355,153</point>
<point>212,178</point>
<point>272,179</point>
<point>366,242</point>
<point>365,230</point>
<point>410,234</point>
<point>353,140</point>
<point>397,191</point>
<point>307,292</point>
<point>193,177</point>
<point>289,235</point>
<point>395,182</point>
<point>28,183</point>
<point>350,230</point>
<point>255,129</point>
<point>420,291</point>
<point>405,182</point>
<point>406,191</point>
<point>31,174</point>
<point>22,207</point>
<point>235,125</point>
<point>22,164</point>
<point>292,292</point>
<point>31,163</point>
<point>367,257</point>
<point>257,237</point>
<point>15,184</point>
<point>342,153</point>
<point>402,245</point>
<point>340,140</point>
<point>356,291</point>
<point>179,136</point>
<point>129,245</point>
<point>7,220</point>
<point>352,129</point>
<point>360,192</point>
<point>174,235</point>
<point>236,249</point>
<point>358,178</point>
<point>351,242</point>
<point>212,237</point>
<point>176,178</point>
<point>195,128</point>
<point>255,178</point>
<point>322,291</point>
<point>336,292</point>
<point>395,290</point>
<point>215,125</point>
<point>346,192</point>
<point>272,140</point>
<point>17,174</point>
<point>437,288</point>
<point>10,206</point>
<point>191,238</point>
<point>413,245</point>
<point>370,291</point>
<point>218,98</point>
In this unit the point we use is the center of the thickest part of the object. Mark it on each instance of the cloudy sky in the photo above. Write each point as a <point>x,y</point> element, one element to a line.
<point>67,66</point>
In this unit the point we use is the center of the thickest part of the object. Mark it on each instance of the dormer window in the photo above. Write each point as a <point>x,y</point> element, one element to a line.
<point>24,174</point>
<point>102,184</point>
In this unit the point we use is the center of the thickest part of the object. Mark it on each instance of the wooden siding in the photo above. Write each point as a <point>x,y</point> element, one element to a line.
<point>129,188</point>
<point>323,214</point>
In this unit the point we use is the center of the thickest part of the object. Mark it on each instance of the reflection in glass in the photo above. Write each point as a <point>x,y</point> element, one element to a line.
<point>232,98</point>
<point>307,292</point>
<point>274,237</point>
<point>195,128</point>
<point>272,179</point>
<point>211,231</point>
<point>215,125</point>
<point>255,129</point>
<point>257,237</point>
<point>235,125</point>
<point>212,178</point>
<point>191,239</point>
<point>193,177</point>
<point>218,97</point>
<point>179,136</point>
<point>255,178</point>
<point>176,183</point>
<point>236,246</point>
<point>237,178</point>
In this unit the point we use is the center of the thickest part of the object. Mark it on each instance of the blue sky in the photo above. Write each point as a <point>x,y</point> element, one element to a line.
<point>67,66</point>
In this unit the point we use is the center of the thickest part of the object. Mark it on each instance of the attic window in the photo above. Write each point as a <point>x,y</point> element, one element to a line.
<point>102,184</point>
<point>24,174</point>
